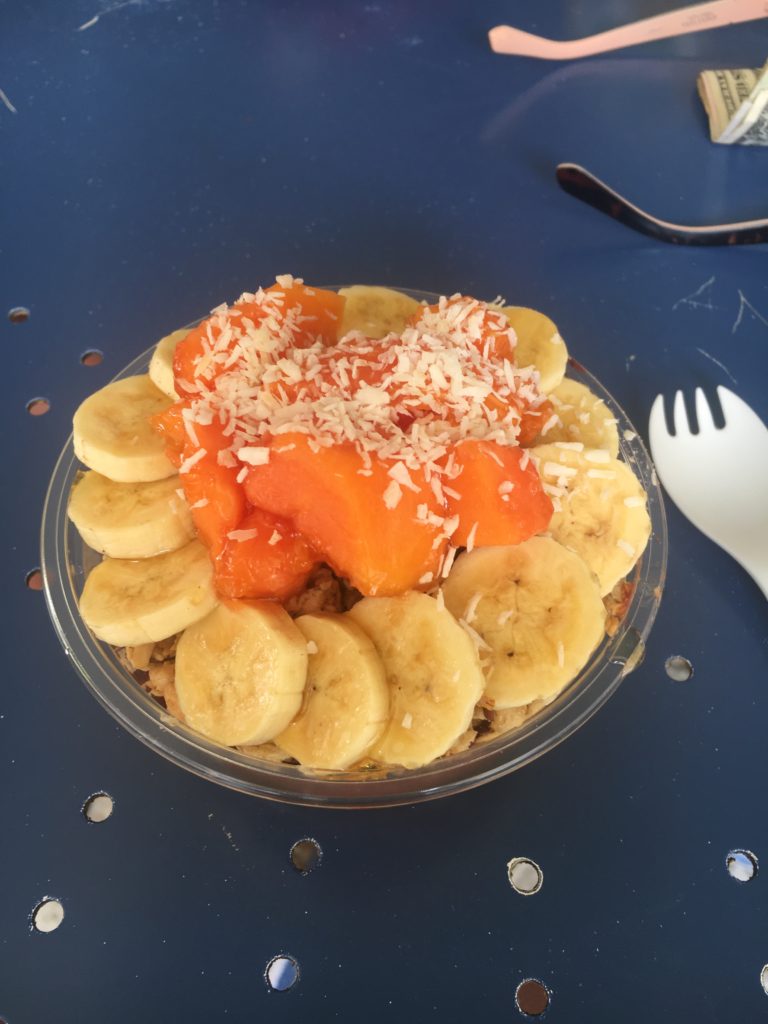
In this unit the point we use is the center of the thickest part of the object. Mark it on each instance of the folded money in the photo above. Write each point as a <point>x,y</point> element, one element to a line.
<point>736,102</point>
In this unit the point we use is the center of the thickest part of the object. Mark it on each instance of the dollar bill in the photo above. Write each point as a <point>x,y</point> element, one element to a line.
<point>736,102</point>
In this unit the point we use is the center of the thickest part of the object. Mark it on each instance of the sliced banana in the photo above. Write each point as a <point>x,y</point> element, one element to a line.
<point>538,344</point>
<point>240,672</point>
<point>433,671</point>
<point>130,520</point>
<point>584,418</point>
<point>127,602</point>
<point>602,513</point>
<point>111,432</point>
<point>375,311</point>
<point>537,608</point>
<point>346,699</point>
<point>161,363</point>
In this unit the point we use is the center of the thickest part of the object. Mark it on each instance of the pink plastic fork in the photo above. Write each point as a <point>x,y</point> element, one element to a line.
<point>505,39</point>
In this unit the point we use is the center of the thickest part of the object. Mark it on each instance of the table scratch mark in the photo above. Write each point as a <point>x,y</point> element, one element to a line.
<point>227,833</point>
<point>703,293</point>
<point>7,103</point>
<point>232,842</point>
<point>717,362</point>
<point>110,9</point>
<point>744,303</point>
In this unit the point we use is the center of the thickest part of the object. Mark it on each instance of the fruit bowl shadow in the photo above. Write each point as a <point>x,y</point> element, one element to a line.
<point>66,562</point>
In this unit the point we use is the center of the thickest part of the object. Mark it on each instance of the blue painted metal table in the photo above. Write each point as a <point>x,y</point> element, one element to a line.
<point>163,156</point>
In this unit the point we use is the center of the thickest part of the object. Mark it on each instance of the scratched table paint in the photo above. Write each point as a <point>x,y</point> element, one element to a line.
<point>161,156</point>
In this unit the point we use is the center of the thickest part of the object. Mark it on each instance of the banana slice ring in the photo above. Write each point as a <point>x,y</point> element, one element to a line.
<point>537,610</point>
<point>433,671</point>
<point>111,432</point>
<point>600,509</point>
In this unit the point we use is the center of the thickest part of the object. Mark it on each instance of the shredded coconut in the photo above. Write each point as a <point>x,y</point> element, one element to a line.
<point>597,455</point>
<point>193,460</point>
<point>225,458</point>
<point>405,401</point>
<point>471,536</point>
<point>448,561</point>
<point>474,636</point>
<point>556,469</point>
<point>471,609</point>
<point>399,472</point>
<point>553,421</point>
<point>254,456</point>
<point>392,494</point>
<point>240,535</point>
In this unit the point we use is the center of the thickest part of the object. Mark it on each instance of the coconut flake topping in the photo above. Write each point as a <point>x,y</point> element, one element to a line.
<point>404,400</point>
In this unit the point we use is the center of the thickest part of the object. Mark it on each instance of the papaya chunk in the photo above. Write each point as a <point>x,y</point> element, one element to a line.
<point>500,495</point>
<point>533,419</point>
<point>170,425</point>
<point>367,527</point>
<point>383,527</point>
<point>313,313</point>
<point>216,498</point>
<point>263,558</point>
<point>321,312</point>
<point>192,369</point>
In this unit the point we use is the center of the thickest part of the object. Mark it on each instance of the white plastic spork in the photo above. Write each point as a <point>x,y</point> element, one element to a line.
<point>718,478</point>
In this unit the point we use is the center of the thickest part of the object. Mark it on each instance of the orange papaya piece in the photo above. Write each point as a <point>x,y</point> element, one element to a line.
<point>169,424</point>
<point>317,316</point>
<point>500,495</point>
<point>217,501</point>
<point>263,558</point>
<point>192,369</point>
<point>370,529</point>
<point>320,312</point>
<point>533,419</point>
<point>216,498</point>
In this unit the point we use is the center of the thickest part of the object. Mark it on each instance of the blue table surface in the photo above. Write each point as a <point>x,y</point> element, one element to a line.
<point>169,155</point>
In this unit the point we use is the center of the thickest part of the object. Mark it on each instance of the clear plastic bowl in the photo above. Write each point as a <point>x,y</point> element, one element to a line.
<point>66,562</point>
